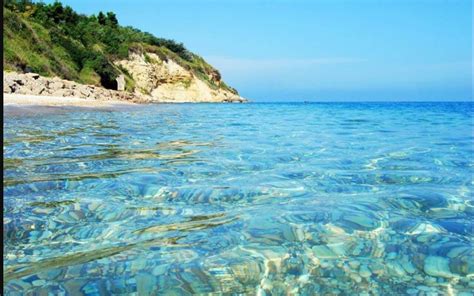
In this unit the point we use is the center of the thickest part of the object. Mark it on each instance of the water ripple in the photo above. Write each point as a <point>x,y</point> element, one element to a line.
<point>281,199</point>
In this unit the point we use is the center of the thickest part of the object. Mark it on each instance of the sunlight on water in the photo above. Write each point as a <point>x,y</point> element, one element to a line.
<point>298,199</point>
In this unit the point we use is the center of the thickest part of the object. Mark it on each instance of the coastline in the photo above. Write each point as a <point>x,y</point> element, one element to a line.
<point>20,104</point>
<point>58,101</point>
<point>19,87</point>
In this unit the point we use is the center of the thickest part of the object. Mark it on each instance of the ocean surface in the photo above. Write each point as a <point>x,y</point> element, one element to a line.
<point>274,199</point>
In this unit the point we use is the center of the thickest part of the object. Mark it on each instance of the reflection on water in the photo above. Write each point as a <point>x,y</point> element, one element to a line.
<point>281,199</point>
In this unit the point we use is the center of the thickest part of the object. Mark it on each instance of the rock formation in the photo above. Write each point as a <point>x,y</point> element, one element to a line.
<point>121,82</point>
<point>167,81</point>
<point>34,84</point>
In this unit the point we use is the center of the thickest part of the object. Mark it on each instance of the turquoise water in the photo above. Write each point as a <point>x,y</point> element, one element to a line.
<point>280,199</point>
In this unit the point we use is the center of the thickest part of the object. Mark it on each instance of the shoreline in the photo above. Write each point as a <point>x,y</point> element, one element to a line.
<point>58,101</point>
<point>21,104</point>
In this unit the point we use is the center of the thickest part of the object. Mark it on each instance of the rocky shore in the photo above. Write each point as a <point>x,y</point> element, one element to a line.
<point>37,85</point>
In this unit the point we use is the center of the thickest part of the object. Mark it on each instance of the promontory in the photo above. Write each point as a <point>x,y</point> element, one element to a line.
<point>51,50</point>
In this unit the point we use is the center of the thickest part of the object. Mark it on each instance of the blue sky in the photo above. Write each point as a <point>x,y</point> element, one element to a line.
<point>321,50</point>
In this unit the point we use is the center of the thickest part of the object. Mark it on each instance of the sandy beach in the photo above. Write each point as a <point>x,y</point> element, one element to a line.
<point>50,101</point>
<point>18,104</point>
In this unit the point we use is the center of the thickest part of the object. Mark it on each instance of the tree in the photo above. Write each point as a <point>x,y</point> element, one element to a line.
<point>56,12</point>
<point>70,16</point>
<point>112,19</point>
<point>101,18</point>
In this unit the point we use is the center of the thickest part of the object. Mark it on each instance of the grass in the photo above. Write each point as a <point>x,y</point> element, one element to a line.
<point>27,44</point>
<point>89,76</point>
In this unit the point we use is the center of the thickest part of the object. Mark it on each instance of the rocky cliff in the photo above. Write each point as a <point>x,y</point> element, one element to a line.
<point>148,79</point>
<point>92,56</point>
<point>164,80</point>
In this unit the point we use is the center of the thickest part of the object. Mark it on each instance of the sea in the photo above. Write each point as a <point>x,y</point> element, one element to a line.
<point>240,199</point>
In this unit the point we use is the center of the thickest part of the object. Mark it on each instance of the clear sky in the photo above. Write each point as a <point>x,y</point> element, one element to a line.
<point>321,50</point>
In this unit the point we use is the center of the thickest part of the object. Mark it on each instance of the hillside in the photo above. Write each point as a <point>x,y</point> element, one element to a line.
<point>55,41</point>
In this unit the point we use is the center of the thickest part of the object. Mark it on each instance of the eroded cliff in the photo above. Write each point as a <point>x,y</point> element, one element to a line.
<point>164,80</point>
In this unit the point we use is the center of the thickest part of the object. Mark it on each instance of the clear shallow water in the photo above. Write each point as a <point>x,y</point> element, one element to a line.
<point>298,199</point>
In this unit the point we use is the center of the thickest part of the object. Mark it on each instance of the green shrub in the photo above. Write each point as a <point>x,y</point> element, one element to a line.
<point>88,75</point>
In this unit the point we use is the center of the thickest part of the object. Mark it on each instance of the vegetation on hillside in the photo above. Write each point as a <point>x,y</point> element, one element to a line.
<point>54,40</point>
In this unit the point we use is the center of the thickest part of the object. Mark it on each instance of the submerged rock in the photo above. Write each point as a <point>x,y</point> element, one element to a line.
<point>418,201</point>
<point>438,266</point>
<point>324,252</point>
<point>359,221</point>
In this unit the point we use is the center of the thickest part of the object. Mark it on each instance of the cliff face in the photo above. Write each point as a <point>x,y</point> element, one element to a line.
<point>164,80</point>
